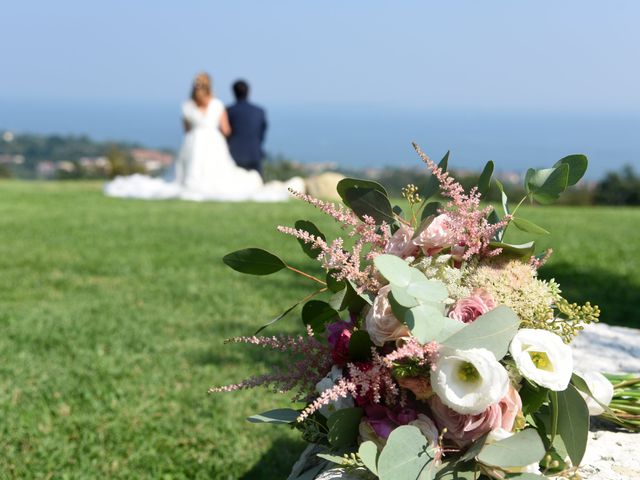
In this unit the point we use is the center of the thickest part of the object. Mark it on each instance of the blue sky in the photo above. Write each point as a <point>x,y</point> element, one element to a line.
<point>534,55</point>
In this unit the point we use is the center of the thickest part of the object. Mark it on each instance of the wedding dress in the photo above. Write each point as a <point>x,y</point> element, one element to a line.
<point>204,169</point>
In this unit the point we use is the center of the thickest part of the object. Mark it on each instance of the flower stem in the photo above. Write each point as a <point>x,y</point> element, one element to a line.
<point>554,414</point>
<point>311,277</point>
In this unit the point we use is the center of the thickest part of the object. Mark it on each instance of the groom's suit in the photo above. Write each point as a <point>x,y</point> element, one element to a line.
<point>248,126</point>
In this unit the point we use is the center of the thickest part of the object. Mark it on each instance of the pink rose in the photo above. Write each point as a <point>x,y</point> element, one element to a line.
<point>436,236</point>
<point>468,309</point>
<point>465,429</point>
<point>380,322</point>
<point>400,243</point>
<point>420,386</point>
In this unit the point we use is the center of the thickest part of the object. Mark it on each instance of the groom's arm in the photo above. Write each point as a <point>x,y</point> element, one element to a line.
<point>263,129</point>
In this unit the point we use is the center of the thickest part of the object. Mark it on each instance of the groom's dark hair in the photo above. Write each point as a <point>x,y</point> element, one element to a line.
<point>241,90</point>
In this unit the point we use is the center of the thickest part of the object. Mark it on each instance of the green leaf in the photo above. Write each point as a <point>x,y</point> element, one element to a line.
<point>274,320</point>
<point>523,250</point>
<point>343,427</point>
<point>577,167</point>
<point>527,476</point>
<point>360,346</point>
<point>519,450</point>
<point>345,298</point>
<point>429,210</point>
<point>279,415</point>
<point>308,248</point>
<point>503,196</point>
<point>333,284</point>
<point>533,396</point>
<point>547,184</point>
<point>475,448</point>
<point>368,453</point>
<point>331,458</point>
<point>371,203</point>
<point>528,226</point>
<point>493,219</point>
<point>425,322</point>
<point>405,456</point>
<point>394,269</point>
<point>493,331</point>
<point>317,314</point>
<point>433,186</point>
<point>254,261</point>
<point>348,183</point>
<point>484,182</point>
<point>573,423</point>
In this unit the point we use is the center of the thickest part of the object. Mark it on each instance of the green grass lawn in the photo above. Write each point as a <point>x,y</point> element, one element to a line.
<point>114,314</point>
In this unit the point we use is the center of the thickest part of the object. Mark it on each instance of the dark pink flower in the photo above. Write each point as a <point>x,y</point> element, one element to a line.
<point>465,429</point>
<point>339,337</point>
<point>468,309</point>
<point>384,420</point>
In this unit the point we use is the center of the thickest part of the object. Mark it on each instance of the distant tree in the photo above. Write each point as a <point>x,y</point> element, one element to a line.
<point>619,188</point>
<point>5,171</point>
<point>122,162</point>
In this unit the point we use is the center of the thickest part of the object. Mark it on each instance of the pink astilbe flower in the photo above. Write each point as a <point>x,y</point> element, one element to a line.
<point>371,240</point>
<point>366,383</point>
<point>310,362</point>
<point>414,350</point>
<point>536,263</point>
<point>466,219</point>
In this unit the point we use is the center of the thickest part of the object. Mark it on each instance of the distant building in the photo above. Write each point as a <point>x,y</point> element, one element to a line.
<point>152,160</point>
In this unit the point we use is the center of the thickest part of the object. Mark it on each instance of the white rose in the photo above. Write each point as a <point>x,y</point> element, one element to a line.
<point>329,382</point>
<point>542,357</point>
<point>437,234</point>
<point>380,322</point>
<point>601,389</point>
<point>469,381</point>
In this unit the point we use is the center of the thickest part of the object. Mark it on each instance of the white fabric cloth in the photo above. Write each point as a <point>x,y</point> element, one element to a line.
<point>204,168</point>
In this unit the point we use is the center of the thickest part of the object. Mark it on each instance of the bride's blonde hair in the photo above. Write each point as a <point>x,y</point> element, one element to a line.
<point>201,83</point>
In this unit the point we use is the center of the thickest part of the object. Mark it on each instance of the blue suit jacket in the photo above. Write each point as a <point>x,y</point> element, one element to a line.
<point>248,126</point>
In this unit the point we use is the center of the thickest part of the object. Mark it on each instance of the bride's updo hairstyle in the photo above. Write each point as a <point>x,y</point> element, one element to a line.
<point>201,87</point>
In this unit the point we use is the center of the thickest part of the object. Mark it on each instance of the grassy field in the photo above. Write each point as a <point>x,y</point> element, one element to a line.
<point>114,313</point>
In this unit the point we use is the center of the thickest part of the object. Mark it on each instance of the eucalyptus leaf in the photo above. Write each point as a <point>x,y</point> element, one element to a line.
<point>356,183</point>
<point>528,226</point>
<point>316,314</point>
<point>523,250</point>
<point>308,248</point>
<point>343,427</point>
<point>394,269</point>
<point>546,185</point>
<point>425,322</point>
<point>254,261</point>
<point>368,453</point>
<point>533,396</point>
<point>493,331</point>
<point>484,182</point>
<point>521,449</point>
<point>573,423</point>
<point>429,210</point>
<point>405,456</point>
<point>331,458</point>
<point>370,202</point>
<point>279,415</point>
<point>503,197</point>
<point>274,320</point>
<point>425,289</point>
<point>577,167</point>
<point>347,297</point>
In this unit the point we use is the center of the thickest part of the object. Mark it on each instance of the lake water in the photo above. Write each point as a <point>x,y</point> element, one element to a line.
<point>368,136</point>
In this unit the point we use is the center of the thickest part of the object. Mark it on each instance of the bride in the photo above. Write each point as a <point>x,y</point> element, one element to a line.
<point>204,169</point>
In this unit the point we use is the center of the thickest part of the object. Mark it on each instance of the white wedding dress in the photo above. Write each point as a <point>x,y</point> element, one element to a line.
<point>204,169</point>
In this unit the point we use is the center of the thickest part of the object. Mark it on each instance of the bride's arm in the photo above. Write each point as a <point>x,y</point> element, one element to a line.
<point>225,128</point>
<point>185,125</point>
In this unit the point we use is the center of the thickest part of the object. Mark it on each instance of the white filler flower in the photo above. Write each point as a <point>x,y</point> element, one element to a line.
<point>469,381</point>
<point>601,389</point>
<point>542,357</point>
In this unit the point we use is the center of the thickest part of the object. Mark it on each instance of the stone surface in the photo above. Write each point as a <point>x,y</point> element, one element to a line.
<point>610,455</point>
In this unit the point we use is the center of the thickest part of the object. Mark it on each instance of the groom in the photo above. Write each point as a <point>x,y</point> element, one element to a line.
<point>248,126</point>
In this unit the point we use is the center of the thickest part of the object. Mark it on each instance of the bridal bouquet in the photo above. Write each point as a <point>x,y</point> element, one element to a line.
<point>437,352</point>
